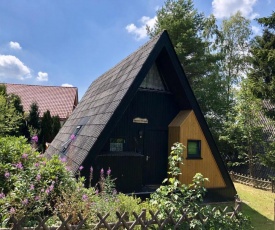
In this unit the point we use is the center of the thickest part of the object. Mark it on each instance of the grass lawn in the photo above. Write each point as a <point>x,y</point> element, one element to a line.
<point>258,205</point>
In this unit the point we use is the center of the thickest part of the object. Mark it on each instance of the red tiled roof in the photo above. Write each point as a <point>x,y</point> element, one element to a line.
<point>58,100</point>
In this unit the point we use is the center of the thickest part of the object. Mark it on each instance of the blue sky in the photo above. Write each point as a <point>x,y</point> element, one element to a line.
<point>72,42</point>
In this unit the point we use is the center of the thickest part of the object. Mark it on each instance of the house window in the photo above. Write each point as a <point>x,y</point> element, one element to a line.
<point>153,80</point>
<point>194,149</point>
<point>116,144</point>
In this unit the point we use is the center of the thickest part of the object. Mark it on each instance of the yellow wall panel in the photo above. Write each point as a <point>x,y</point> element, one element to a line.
<point>185,127</point>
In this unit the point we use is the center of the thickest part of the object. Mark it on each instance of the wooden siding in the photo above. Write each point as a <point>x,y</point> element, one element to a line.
<point>185,126</point>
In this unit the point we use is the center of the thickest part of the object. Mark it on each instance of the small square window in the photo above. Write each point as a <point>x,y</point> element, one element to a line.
<point>116,144</point>
<point>194,149</point>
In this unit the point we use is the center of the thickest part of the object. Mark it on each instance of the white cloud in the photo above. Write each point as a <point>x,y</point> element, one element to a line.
<point>67,85</point>
<point>140,32</point>
<point>15,45</point>
<point>12,67</point>
<point>256,30</point>
<point>225,8</point>
<point>42,76</point>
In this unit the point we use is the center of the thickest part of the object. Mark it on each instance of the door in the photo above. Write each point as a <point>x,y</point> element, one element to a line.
<point>155,156</point>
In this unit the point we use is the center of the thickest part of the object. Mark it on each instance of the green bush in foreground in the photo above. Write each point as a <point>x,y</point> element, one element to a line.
<point>174,196</point>
<point>34,186</point>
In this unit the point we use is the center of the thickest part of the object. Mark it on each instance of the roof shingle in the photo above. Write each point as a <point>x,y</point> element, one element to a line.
<point>58,100</point>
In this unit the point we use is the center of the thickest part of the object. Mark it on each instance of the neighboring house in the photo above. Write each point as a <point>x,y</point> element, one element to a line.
<point>58,100</point>
<point>129,118</point>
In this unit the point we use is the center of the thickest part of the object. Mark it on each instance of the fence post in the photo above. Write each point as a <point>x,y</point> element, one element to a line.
<point>143,217</point>
<point>238,203</point>
<point>231,173</point>
<point>272,185</point>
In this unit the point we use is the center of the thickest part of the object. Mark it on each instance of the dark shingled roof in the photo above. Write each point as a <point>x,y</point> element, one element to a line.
<point>98,105</point>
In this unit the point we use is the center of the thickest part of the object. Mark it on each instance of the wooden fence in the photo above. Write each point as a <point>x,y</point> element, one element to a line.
<point>254,182</point>
<point>142,221</point>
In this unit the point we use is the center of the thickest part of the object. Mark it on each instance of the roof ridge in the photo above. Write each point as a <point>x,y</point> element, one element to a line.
<point>55,86</point>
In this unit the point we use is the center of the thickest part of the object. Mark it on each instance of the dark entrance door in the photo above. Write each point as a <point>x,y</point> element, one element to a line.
<point>155,156</point>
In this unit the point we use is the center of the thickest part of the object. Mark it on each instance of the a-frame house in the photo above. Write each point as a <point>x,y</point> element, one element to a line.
<point>130,116</point>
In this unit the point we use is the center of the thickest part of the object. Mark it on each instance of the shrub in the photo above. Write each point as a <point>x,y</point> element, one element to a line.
<point>174,196</point>
<point>30,184</point>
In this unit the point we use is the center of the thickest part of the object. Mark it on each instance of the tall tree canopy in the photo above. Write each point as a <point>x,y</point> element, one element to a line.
<point>214,59</point>
<point>262,72</point>
<point>184,25</point>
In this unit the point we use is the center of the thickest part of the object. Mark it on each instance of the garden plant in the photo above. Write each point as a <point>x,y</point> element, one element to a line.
<point>31,185</point>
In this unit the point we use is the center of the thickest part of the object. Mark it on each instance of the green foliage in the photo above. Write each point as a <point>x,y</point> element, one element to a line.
<point>184,25</point>
<point>262,72</point>
<point>30,184</point>
<point>174,196</point>
<point>244,134</point>
<point>33,120</point>
<point>11,114</point>
<point>214,58</point>
<point>49,128</point>
<point>55,125</point>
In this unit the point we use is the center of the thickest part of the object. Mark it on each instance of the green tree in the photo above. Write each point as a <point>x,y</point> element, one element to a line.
<point>55,125</point>
<point>49,128</point>
<point>232,43</point>
<point>11,114</point>
<point>184,25</point>
<point>33,119</point>
<point>46,129</point>
<point>186,28</point>
<point>262,72</point>
<point>244,133</point>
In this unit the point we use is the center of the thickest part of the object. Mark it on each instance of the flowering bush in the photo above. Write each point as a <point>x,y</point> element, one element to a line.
<point>29,183</point>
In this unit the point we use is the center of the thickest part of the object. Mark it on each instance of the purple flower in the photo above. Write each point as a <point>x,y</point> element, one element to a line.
<point>84,197</point>
<point>7,174</point>
<point>38,177</point>
<point>91,169</point>
<point>47,191</point>
<point>63,159</point>
<point>19,165</point>
<point>102,172</point>
<point>51,187</point>
<point>25,201</point>
<point>2,195</point>
<point>72,137</point>
<point>32,187</point>
<point>37,198</point>
<point>36,164</point>
<point>12,210</point>
<point>68,168</point>
<point>80,168</point>
<point>25,156</point>
<point>35,138</point>
<point>96,191</point>
<point>109,172</point>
